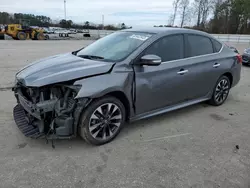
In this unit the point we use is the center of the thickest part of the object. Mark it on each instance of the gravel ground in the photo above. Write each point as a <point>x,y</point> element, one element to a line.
<point>192,147</point>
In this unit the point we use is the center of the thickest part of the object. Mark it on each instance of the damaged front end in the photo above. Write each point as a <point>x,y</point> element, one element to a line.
<point>50,112</point>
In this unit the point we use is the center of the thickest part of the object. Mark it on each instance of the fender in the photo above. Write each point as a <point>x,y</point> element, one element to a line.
<point>98,86</point>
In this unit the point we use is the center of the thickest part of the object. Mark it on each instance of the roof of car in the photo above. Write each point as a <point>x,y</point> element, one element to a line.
<point>167,30</point>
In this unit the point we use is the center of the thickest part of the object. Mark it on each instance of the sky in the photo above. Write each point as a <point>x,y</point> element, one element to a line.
<point>130,12</point>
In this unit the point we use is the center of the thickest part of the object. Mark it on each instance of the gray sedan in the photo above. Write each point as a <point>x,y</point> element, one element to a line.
<point>246,57</point>
<point>126,76</point>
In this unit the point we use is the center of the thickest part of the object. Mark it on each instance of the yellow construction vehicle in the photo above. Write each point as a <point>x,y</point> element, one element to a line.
<point>19,32</point>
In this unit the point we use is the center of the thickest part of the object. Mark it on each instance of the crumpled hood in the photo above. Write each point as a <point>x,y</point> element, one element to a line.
<point>60,68</point>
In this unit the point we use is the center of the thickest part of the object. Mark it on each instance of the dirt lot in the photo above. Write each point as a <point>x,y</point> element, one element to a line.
<point>192,147</point>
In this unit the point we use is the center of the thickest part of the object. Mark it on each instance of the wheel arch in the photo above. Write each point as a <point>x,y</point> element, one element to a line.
<point>120,95</point>
<point>230,77</point>
<point>123,98</point>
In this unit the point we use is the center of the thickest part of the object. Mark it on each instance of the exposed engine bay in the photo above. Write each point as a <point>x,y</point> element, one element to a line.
<point>50,112</point>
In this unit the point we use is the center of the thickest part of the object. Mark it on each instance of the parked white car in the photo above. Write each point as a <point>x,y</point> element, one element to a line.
<point>62,31</point>
<point>73,31</point>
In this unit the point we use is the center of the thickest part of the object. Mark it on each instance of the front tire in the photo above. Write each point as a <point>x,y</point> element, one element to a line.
<point>221,91</point>
<point>102,120</point>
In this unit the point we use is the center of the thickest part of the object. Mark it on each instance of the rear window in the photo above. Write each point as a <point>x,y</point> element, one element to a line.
<point>199,45</point>
<point>217,45</point>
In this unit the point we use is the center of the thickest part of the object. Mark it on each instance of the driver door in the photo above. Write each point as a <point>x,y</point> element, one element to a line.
<point>165,84</point>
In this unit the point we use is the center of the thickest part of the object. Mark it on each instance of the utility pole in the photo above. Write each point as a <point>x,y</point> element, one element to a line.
<point>65,9</point>
<point>102,22</point>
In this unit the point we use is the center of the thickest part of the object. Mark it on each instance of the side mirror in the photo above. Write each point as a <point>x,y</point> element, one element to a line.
<point>150,60</point>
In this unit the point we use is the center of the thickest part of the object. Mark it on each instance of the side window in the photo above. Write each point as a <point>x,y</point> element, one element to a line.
<point>217,45</point>
<point>199,45</point>
<point>168,48</point>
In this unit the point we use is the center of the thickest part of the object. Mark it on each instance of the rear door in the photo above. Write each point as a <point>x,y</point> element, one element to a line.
<point>203,65</point>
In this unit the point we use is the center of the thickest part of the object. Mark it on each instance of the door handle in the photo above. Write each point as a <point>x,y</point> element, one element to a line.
<point>182,72</point>
<point>216,65</point>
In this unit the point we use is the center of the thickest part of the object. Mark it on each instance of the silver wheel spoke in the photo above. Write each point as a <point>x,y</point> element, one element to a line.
<point>96,133</point>
<point>217,95</point>
<point>114,110</point>
<point>94,117</point>
<point>221,97</point>
<point>104,133</point>
<point>110,132</point>
<point>116,117</point>
<point>109,109</point>
<point>116,124</point>
<point>220,85</point>
<point>99,109</point>
<point>94,126</point>
<point>225,88</point>
<point>225,82</point>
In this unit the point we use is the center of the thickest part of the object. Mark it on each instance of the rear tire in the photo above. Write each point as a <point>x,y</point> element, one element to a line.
<point>221,91</point>
<point>102,120</point>
<point>86,35</point>
<point>2,36</point>
<point>21,36</point>
<point>46,37</point>
<point>39,36</point>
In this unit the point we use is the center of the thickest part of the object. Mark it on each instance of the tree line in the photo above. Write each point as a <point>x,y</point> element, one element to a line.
<point>44,21</point>
<point>31,19</point>
<point>213,16</point>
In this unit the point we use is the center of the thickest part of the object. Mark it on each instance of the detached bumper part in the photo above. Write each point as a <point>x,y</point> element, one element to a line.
<point>22,123</point>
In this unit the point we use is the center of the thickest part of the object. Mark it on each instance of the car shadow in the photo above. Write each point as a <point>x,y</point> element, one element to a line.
<point>169,116</point>
<point>79,143</point>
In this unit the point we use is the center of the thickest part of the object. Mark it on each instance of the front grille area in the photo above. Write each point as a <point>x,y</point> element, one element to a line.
<point>27,129</point>
<point>245,58</point>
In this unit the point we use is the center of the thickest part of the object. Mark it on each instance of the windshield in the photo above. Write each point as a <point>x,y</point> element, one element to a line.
<point>114,47</point>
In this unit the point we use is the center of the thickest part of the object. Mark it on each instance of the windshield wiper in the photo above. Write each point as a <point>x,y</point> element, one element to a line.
<point>90,57</point>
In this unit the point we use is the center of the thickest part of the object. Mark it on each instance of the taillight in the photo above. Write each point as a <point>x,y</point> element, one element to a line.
<point>239,58</point>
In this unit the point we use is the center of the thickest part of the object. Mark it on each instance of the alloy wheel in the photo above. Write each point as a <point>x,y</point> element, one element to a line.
<point>221,91</point>
<point>105,121</point>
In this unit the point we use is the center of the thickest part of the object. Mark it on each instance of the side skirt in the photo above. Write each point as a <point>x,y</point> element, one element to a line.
<point>167,109</point>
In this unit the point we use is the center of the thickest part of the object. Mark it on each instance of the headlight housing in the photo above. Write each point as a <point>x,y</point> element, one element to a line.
<point>76,88</point>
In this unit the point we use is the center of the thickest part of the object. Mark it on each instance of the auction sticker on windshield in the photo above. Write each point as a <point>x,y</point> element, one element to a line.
<point>139,37</point>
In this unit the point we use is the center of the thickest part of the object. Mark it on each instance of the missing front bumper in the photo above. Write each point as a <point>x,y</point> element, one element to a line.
<point>25,127</point>
<point>55,118</point>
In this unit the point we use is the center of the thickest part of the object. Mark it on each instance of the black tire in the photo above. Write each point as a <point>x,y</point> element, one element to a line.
<point>2,36</point>
<point>39,36</point>
<point>46,37</point>
<point>21,35</point>
<point>86,121</point>
<point>220,96</point>
<point>86,35</point>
